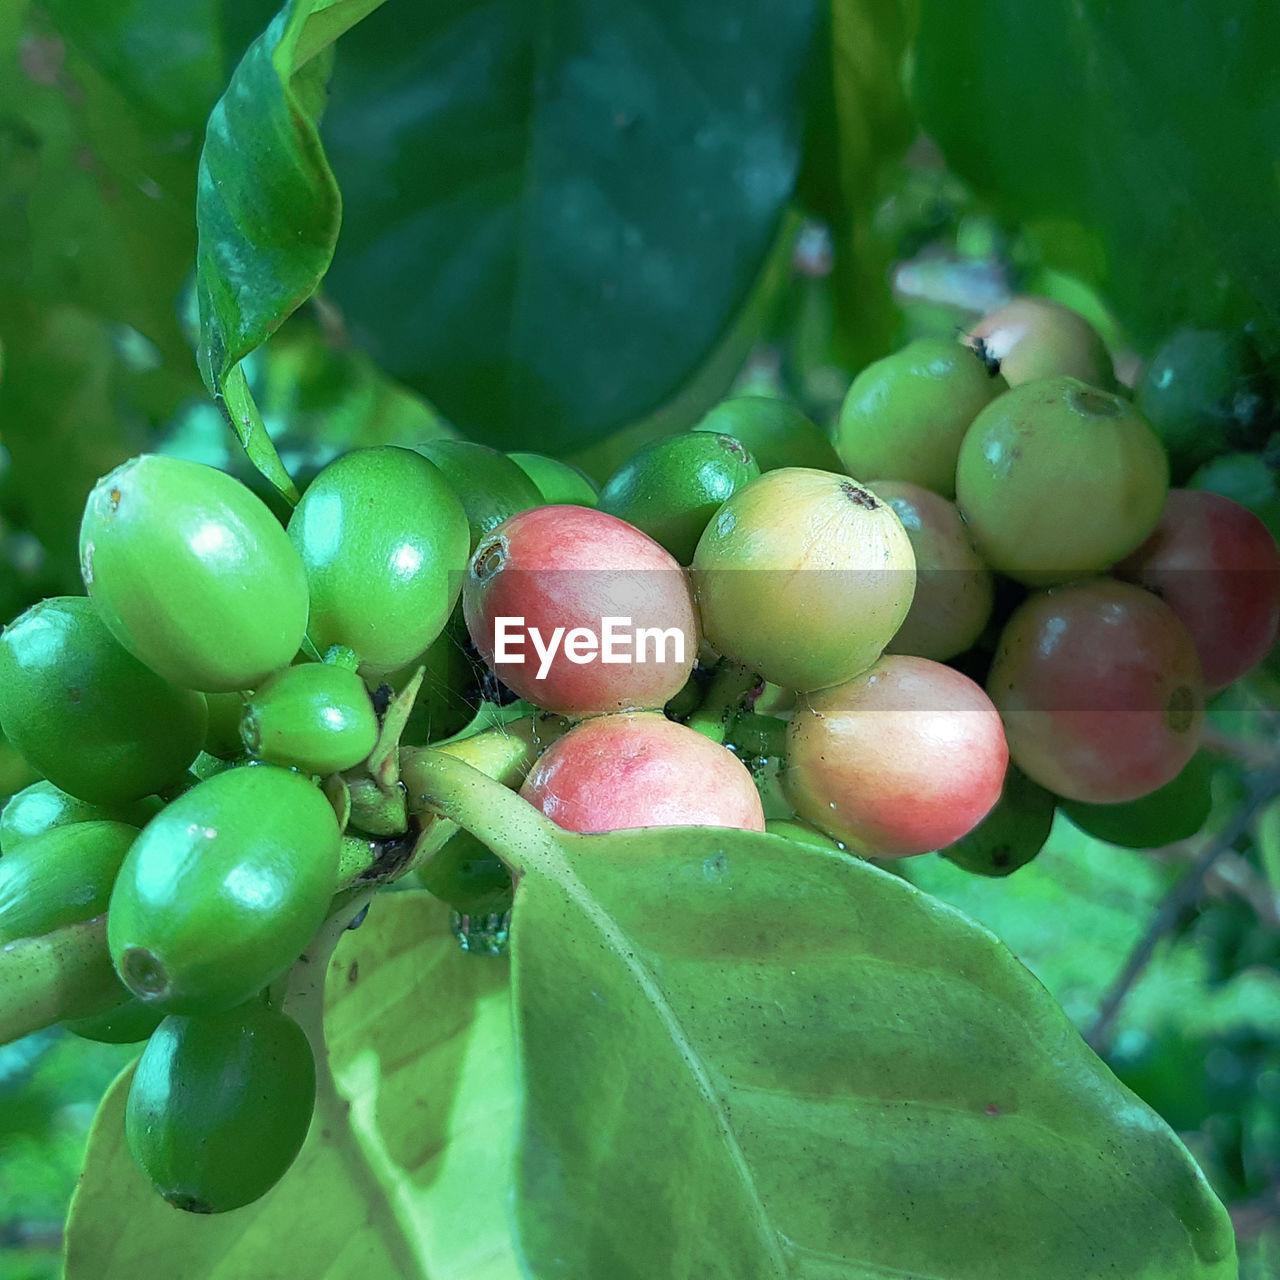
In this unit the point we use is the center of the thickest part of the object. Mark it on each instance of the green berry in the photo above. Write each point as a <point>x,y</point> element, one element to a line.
<point>905,416</point>
<point>193,573</point>
<point>469,876</point>
<point>557,481</point>
<point>314,717</point>
<point>223,889</point>
<point>42,806</point>
<point>672,487</point>
<point>1207,393</point>
<point>1058,480</point>
<point>385,543</point>
<point>128,1023</point>
<point>488,484</point>
<point>61,876</point>
<point>85,712</point>
<point>220,1105</point>
<point>1012,833</point>
<point>775,433</point>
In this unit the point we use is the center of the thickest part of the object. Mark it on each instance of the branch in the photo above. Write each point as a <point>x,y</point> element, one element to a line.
<point>1187,891</point>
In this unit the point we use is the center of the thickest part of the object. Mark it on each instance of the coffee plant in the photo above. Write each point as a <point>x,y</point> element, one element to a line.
<point>640,643</point>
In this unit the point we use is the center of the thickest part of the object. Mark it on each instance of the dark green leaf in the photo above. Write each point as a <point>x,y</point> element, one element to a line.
<point>554,212</point>
<point>1078,119</point>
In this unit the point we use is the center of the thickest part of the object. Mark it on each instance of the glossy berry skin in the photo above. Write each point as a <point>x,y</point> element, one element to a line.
<point>85,712</point>
<point>490,487</point>
<point>42,806</point>
<point>1058,480</point>
<point>1100,690</point>
<point>129,1023</point>
<point>804,576</point>
<point>955,591</point>
<point>60,877</point>
<point>315,717</point>
<point>613,773</point>
<point>1216,565</point>
<point>219,1106</point>
<point>557,482</point>
<point>192,573</point>
<point>905,758</point>
<point>384,541</point>
<point>905,415</point>
<point>570,567</point>
<point>672,487</point>
<point>223,889</point>
<point>1031,338</point>
<point>774,432</point>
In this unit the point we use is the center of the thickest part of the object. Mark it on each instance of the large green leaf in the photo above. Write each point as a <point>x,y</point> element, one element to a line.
<point>406,1172</point>
<point>744,1059</point>
<point>1135,139</point>
<point>552,212</point>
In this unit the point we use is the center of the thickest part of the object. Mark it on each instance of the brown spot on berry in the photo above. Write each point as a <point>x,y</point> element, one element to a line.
<point>859,496</point>
<point>1180,710</point>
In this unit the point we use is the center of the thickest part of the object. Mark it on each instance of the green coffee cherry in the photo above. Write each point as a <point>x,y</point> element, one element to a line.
<point>775,433</point>
<point>314,717</point>
<point>223,889</point>
<point>557,481</point>
<point>1171,813</point>
<point>220,1105</point>
<point>60,877</point>
<point>42,806</point>
<point>1058,480</point>
<point>488,484</point>
<point>128,1023</point>
<point>1207,393</point>
<point>86,713</point>
<point>672,487</point>
<point>385,543</point>
<point>1012,833</point>
<point>905,416</point>
<point>193,573</point>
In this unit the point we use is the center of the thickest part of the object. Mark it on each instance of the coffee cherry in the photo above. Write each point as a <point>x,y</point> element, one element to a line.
<point>1031,338</point>
<point>672,488</point>
<point>804,576</point>
<point>192,573</point>
<point>1012,833</point>
<point>129,1023</point>
<point>60,877</point>
<point>775,433</point>
<point>220,1105</point>
<point>41,806</point>
<point>314,717</point>
<point>618,772</point>
<point>903,759</point>
<point>223,889</point>
<point>1100,690</point>
<point>557,482</point>
<point>552,577</point>
<point>905,415</point>
<point>384,543</point>
<point>1058,480</point>
<point>1216,565</point>
<point>490,487</point>
<point>85,712</point>
<point>955,590</point>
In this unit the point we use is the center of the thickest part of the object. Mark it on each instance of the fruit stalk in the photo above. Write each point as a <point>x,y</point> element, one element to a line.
<point>63,974</point>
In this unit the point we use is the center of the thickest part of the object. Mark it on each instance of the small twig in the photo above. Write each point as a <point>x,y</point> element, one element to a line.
<point>1181,896</point>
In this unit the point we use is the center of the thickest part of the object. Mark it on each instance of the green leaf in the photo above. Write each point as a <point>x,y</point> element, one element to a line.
<point>743,1058</point>
<point>405,1174</point>
<point>1077,119</point>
